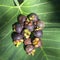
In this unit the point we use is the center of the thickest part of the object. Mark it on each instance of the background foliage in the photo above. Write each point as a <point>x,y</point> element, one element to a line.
<point>48,11</point>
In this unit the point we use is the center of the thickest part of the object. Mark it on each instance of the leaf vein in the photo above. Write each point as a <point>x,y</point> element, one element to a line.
<point>52,48</point>
<point>8,6</point>
<point>5,12</point>
<point>43,12</point>
<point>36,5</point>
<point>44,53</point>
<point>10,30</point>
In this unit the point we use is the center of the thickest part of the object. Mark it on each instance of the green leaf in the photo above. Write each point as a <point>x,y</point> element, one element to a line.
<point>48,11</point>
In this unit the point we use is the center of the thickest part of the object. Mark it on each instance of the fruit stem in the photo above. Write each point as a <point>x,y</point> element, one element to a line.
<point>19,6</point>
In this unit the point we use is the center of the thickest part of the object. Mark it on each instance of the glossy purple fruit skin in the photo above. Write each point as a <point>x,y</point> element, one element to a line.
<point>33,14</point>
<point>41,24</point>
<point>16,36</point>
<point>18,28</point>
<point>30,27</point>
<point>38,33</point>
<point>29,48</point>
<point>22,19</point>
<point>27,41</point>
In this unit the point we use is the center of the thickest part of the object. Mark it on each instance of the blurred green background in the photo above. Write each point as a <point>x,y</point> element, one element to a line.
<point>48,11</point>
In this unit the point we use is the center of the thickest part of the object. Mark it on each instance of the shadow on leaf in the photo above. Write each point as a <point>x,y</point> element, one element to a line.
<point>19,1</point>
<point>55,18</point>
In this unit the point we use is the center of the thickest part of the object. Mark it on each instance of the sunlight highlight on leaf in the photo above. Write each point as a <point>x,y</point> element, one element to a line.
<point>36,5</point>
<point>8,6</point>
